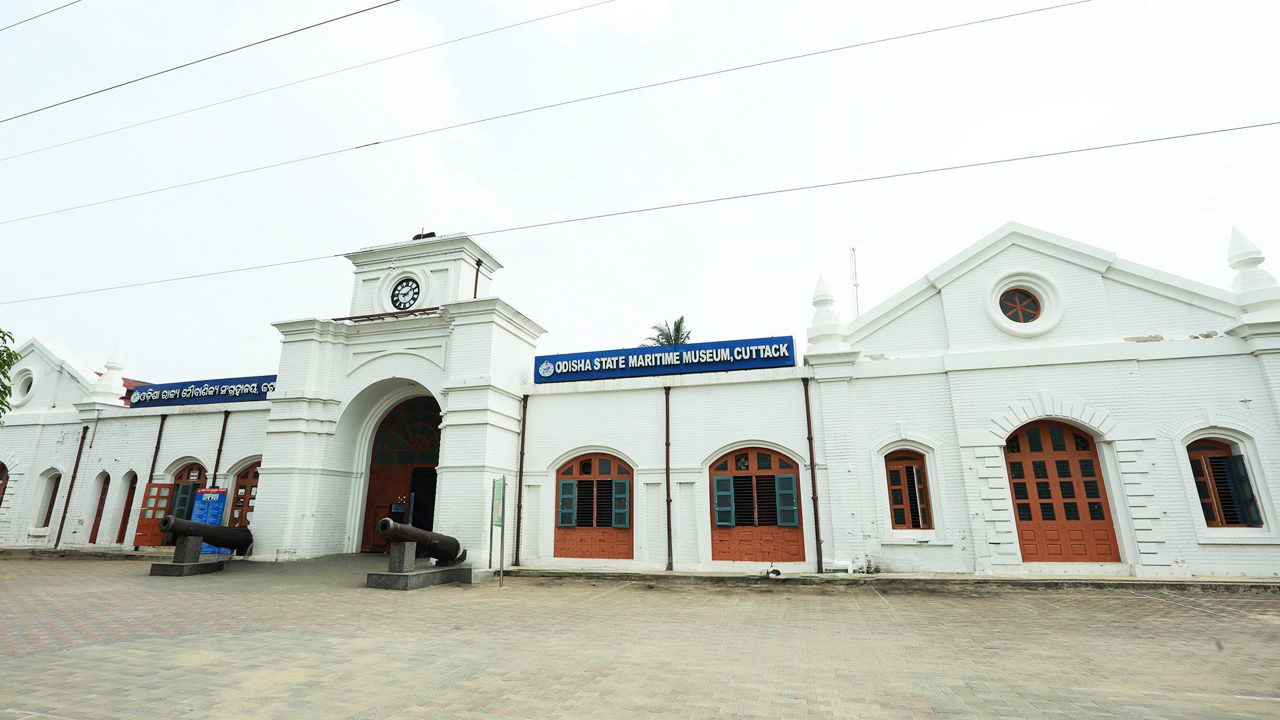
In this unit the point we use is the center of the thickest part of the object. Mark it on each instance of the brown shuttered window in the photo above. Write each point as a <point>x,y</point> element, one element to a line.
<point>909,506</point>
<point>1223,486</point>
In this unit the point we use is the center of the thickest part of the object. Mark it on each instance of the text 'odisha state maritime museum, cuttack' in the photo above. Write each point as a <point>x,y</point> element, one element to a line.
<point>1034,405</point>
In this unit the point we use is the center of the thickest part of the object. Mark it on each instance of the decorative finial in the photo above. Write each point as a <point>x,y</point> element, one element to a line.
<point>1245,258</point>
<point>110,386</point>
<point>825,333</point>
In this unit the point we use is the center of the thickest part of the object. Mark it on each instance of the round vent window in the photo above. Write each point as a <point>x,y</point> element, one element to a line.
<point>1019,305</point>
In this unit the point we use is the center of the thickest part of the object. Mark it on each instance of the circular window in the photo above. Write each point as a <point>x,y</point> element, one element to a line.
<point>1024,304</point>
<point>1020,305</point>
<point>23,382</point>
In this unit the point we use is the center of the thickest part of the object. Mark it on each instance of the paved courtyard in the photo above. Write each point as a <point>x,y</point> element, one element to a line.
<point>88,639</point>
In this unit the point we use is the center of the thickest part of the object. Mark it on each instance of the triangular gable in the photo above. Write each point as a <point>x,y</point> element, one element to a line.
<point>1101,261</point>
<point>57,357</point>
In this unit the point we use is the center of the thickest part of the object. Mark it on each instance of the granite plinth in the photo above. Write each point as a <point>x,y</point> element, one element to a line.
<point>418,578</point>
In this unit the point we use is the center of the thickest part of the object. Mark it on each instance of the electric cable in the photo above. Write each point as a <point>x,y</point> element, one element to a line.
<point>303,80</point>
<point>526,111</point>
<point>33,17</point>
<point>688,203</point>
<point>194,62</point>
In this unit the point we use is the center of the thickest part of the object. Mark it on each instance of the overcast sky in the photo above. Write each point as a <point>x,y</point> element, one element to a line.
<point>1102,72</point>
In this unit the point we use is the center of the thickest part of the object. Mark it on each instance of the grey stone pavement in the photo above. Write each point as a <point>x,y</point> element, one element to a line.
<point>82,639</point>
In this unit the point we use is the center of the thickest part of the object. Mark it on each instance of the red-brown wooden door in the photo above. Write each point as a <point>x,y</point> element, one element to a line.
<point>156,501</point>
<point>388,497</point>
<point>1059,497</point>
<point>102,503</point>
<point>243,497</point>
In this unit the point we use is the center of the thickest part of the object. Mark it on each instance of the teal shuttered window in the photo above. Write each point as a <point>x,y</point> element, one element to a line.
<point>595,492</point>
<point>788,511</point>
<point>621,504</point>
<point>755,487</point>
<point>568,503</point>
<point>724,502</point>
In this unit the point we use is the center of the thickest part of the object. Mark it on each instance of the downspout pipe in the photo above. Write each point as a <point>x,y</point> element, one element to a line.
<point>666,392</point>
<point>524,414</point>
<point>217,459</point>
<point>475,288</point>
<point>71,487</point>
<point>813,475</point>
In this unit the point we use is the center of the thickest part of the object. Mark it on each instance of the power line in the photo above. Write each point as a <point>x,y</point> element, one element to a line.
<point>303,80</point>
<point>194,62</point>
<point>33,17</point>
<point>526,111</point>
<point>691,203</point>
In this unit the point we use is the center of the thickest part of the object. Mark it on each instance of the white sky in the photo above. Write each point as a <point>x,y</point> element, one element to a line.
<point>1107,71</point>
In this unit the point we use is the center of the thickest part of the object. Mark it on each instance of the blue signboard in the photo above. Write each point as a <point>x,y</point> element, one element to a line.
<point>718,356</point>
<point>204,392</point>
<point>207,509</point>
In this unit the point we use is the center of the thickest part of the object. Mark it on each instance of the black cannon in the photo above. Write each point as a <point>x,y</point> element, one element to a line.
<point>237,539</point>
<point>445,550</point>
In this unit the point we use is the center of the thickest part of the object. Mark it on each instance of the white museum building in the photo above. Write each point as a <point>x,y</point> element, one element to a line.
<point>1034,405</point>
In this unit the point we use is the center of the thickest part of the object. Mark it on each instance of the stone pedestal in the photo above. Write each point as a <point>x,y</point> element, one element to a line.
<point>402,575</point>
<point>186,560</point>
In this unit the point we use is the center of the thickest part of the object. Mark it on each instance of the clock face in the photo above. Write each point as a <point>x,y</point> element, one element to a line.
<point>405,294</point>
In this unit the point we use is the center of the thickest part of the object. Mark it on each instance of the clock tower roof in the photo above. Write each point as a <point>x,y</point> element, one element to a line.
<point>425,272</point>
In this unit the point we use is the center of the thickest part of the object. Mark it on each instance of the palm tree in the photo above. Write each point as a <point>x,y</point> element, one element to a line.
<point>674,334</point>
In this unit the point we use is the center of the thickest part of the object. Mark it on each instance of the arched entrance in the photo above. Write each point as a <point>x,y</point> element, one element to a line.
<point>402,469</point>
<point>1059,496</point>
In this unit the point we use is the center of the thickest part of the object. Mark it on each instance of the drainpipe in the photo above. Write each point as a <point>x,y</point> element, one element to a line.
<point>813,474</point>
<point>524,413</point>
<point>666,391</point>
<point>217,459</point>
<point>475,289</point>
<point>71,487</point>
<point>155,454</point>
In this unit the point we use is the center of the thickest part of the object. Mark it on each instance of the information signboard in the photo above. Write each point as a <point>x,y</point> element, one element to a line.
<point>207,509</point>
<point>720,356</point>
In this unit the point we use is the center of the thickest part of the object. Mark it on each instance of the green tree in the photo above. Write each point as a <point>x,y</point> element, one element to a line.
<point>674,334</point>
<point>8,358</point>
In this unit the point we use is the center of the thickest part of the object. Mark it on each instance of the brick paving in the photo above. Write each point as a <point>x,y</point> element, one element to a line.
<point>83,639</point>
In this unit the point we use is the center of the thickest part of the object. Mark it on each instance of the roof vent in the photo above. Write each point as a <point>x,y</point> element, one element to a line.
<point>424,235</point>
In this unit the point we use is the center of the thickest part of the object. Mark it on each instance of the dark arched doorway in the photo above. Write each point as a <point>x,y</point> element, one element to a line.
<point>402,469</point>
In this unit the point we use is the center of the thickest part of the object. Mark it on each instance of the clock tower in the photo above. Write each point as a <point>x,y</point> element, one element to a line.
<point>407,408</point>
<point>426,272</point>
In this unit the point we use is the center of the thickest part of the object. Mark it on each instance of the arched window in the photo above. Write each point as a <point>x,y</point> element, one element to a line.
<point>103,481</point>
<point>49,498</point>
<point>131,478</point>
<point>1222,480</point>
<point>755,487</point>
<point>909,506</point>
<point>243,496</point>
<point>593,515</point>
<point>4,481</point>
<point>192,473</point>
<point>755,511</point>
<point>595,491</point>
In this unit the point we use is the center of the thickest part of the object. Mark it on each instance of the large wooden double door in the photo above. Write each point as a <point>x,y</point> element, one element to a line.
<point>1059,497</point>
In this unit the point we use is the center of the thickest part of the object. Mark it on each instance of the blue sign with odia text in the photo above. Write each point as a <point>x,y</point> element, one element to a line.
<point>722,356</point>
<point>204,392</point>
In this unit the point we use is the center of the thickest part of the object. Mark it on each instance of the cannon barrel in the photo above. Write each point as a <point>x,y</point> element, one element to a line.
<point>446,550</point>
<point>232,538</point>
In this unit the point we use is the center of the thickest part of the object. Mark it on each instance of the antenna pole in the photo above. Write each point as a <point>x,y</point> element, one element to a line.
<point>853,270</point>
